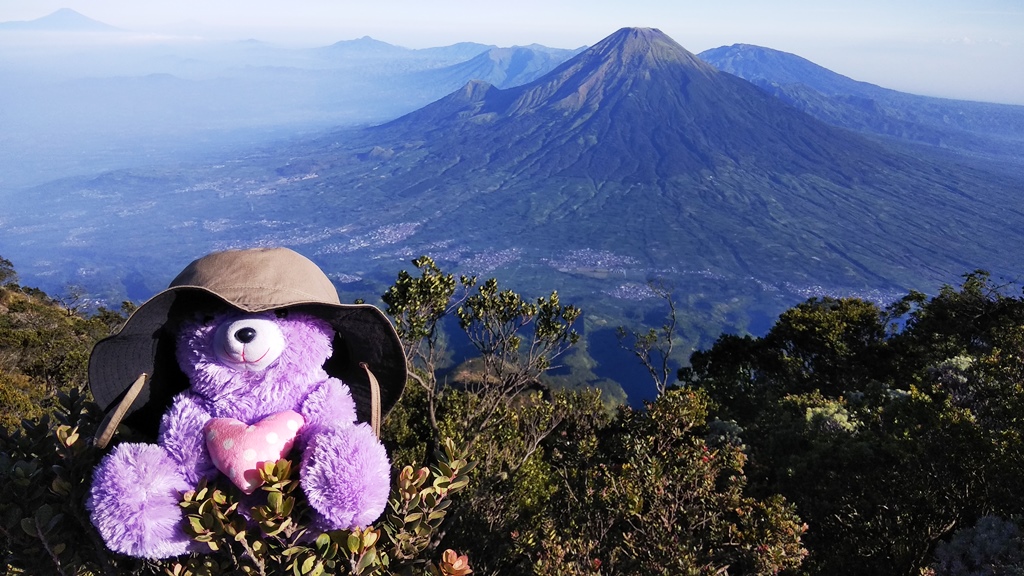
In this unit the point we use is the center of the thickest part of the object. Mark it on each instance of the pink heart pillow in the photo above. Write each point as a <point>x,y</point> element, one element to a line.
<point>239,451</point>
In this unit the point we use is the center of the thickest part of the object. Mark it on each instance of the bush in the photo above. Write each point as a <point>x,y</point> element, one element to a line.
<point>992,547</point>
<point>46,469</point>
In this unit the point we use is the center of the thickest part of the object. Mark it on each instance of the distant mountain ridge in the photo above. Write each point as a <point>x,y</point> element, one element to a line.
<point>764,66</point>
<point>502,67</point>
<point>73,111</point>
<point>630,161</point>
<point>638,87</point>
<point>708,171</point>
<point>63,20</point>
<point>371,48</point>
<point>973,127</point>
<point>363,46</point>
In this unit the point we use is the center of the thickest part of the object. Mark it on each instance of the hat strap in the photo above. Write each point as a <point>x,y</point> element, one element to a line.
<point>110,423</point>
<point>374,399</point>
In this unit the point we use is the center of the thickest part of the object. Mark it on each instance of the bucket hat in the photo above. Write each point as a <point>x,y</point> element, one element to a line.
<point>367,353</point>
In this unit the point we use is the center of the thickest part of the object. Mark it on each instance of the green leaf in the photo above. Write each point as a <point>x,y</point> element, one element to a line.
<point>274,501</point>
<point>289,505</point>
<point>197,524</point>
<point>368,559</point>
<point>445,469</point>
<point>353,543</point>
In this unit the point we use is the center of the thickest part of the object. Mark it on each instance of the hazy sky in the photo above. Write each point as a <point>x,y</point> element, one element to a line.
<point>972,49</point>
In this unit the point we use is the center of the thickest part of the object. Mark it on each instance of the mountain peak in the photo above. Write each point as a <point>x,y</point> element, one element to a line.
<point>646,46</point>
<point>365,46</point>
<point>629,60</point>
<point>638,37</point>
<point>766,66</point>
<point>63,20</point>
<point>635,107</point>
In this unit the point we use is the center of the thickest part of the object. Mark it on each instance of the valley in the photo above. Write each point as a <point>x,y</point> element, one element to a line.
<point>593,172</point>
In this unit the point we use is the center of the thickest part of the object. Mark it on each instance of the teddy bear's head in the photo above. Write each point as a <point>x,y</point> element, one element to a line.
<point>250,364</point>
<point>166,347</point>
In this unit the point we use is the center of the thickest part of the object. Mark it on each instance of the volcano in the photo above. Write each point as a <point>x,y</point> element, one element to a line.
<point>637,107</point>
<point>631,160</point>
<point>63,20</point>
<point>637,146</point>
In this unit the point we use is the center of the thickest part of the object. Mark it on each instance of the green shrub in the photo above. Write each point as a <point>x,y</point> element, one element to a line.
<point>46,470</point>
<point>992,547</point>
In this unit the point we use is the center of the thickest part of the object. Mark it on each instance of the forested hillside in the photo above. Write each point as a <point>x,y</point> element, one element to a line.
<point>849,439</point>
<point>44,346</point>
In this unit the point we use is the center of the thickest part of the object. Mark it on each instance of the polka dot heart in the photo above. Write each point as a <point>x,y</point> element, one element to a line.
<point>239,451</point>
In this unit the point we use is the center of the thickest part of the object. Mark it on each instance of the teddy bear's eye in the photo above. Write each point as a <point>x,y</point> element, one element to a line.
<point>281,312</point>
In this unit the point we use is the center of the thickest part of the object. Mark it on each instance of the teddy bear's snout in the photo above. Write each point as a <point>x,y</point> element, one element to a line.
<point>249,343</point>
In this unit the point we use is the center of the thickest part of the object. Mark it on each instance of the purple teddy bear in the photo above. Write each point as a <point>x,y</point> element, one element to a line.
<point>257,387</point>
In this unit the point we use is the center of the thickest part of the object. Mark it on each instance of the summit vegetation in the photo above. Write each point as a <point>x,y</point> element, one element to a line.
<point>849,439</point>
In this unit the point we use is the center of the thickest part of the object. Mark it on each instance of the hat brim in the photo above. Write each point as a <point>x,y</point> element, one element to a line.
<point>145,344</point>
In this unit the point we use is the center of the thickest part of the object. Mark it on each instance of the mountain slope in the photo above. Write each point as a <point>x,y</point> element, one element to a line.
<point>637,92</point>
<point>637,137</point>
<point>634,159</point>
<point>973,127</point>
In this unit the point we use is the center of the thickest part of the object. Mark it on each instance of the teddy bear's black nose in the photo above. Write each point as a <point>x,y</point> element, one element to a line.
<point>245,335</point>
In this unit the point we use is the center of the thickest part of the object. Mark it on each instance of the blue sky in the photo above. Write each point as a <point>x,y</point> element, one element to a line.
<point>971,49</point>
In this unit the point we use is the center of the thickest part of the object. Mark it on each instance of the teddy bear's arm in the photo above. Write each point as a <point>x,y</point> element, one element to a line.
<point>133,501</point>
<point>181,434</point>
<point>345,470</point>
<point>329,405</point>
<point>346,475</point>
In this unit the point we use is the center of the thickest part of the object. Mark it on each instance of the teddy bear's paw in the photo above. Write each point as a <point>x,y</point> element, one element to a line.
<point>133,502</point>
<point>346,476</point>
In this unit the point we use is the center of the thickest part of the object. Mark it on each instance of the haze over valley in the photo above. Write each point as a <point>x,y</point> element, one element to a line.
<point>746,179</point>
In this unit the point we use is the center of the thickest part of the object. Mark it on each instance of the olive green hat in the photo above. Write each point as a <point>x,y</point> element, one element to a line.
<point>366,349</point>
